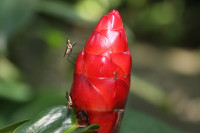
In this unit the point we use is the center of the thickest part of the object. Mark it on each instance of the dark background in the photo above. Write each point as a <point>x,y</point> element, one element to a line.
<point>164,40</point>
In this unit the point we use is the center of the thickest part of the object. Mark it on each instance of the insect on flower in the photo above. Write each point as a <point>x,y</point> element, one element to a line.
<point>69,100</point>
<point>115,75</point>
<point>68,49</point>
<point>82,118</point>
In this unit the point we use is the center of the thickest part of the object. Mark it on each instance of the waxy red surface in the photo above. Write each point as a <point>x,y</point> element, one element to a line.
<point>102,73</point>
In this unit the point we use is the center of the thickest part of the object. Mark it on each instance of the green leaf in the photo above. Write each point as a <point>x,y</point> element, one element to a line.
<point>88,129</point>
<point>137,122</point>
<point>70,129</point>
<point>11,128</point>
<point>54,119</point>
<point>76,129</point>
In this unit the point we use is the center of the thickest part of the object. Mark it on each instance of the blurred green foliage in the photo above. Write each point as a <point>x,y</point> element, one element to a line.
<point>142,123</point>
<point>33,74</point>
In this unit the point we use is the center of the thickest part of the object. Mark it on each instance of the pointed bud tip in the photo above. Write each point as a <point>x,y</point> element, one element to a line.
<point>114,12</point>
<point>112,21</point>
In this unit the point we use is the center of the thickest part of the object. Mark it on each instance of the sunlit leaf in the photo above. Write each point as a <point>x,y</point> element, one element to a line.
<point>90,10</point>
<point>53,37</point>
<point>8,70</point>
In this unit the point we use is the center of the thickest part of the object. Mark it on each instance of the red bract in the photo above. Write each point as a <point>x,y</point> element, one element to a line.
<point>102,73</point>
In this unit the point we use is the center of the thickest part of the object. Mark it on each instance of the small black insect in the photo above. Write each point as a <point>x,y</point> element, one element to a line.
<point>82,118</point>
<point>115,75</point>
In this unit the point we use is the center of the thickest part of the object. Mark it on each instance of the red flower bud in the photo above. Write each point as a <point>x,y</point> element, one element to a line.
<point>102,73</point>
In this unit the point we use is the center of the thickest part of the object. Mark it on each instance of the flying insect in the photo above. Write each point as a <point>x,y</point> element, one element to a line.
<point>68,49</point>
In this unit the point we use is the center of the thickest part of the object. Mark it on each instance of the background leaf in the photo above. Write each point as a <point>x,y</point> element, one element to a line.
<point>11,86</point>
<point>137,122</point>
<point>14,90</point>
<point>18,14</point>
<point>63,10</point>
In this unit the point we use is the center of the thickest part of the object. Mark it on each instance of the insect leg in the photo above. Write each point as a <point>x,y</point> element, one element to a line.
<point>73,43</point>
<point>65,52</point>
<point>70,56</point>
